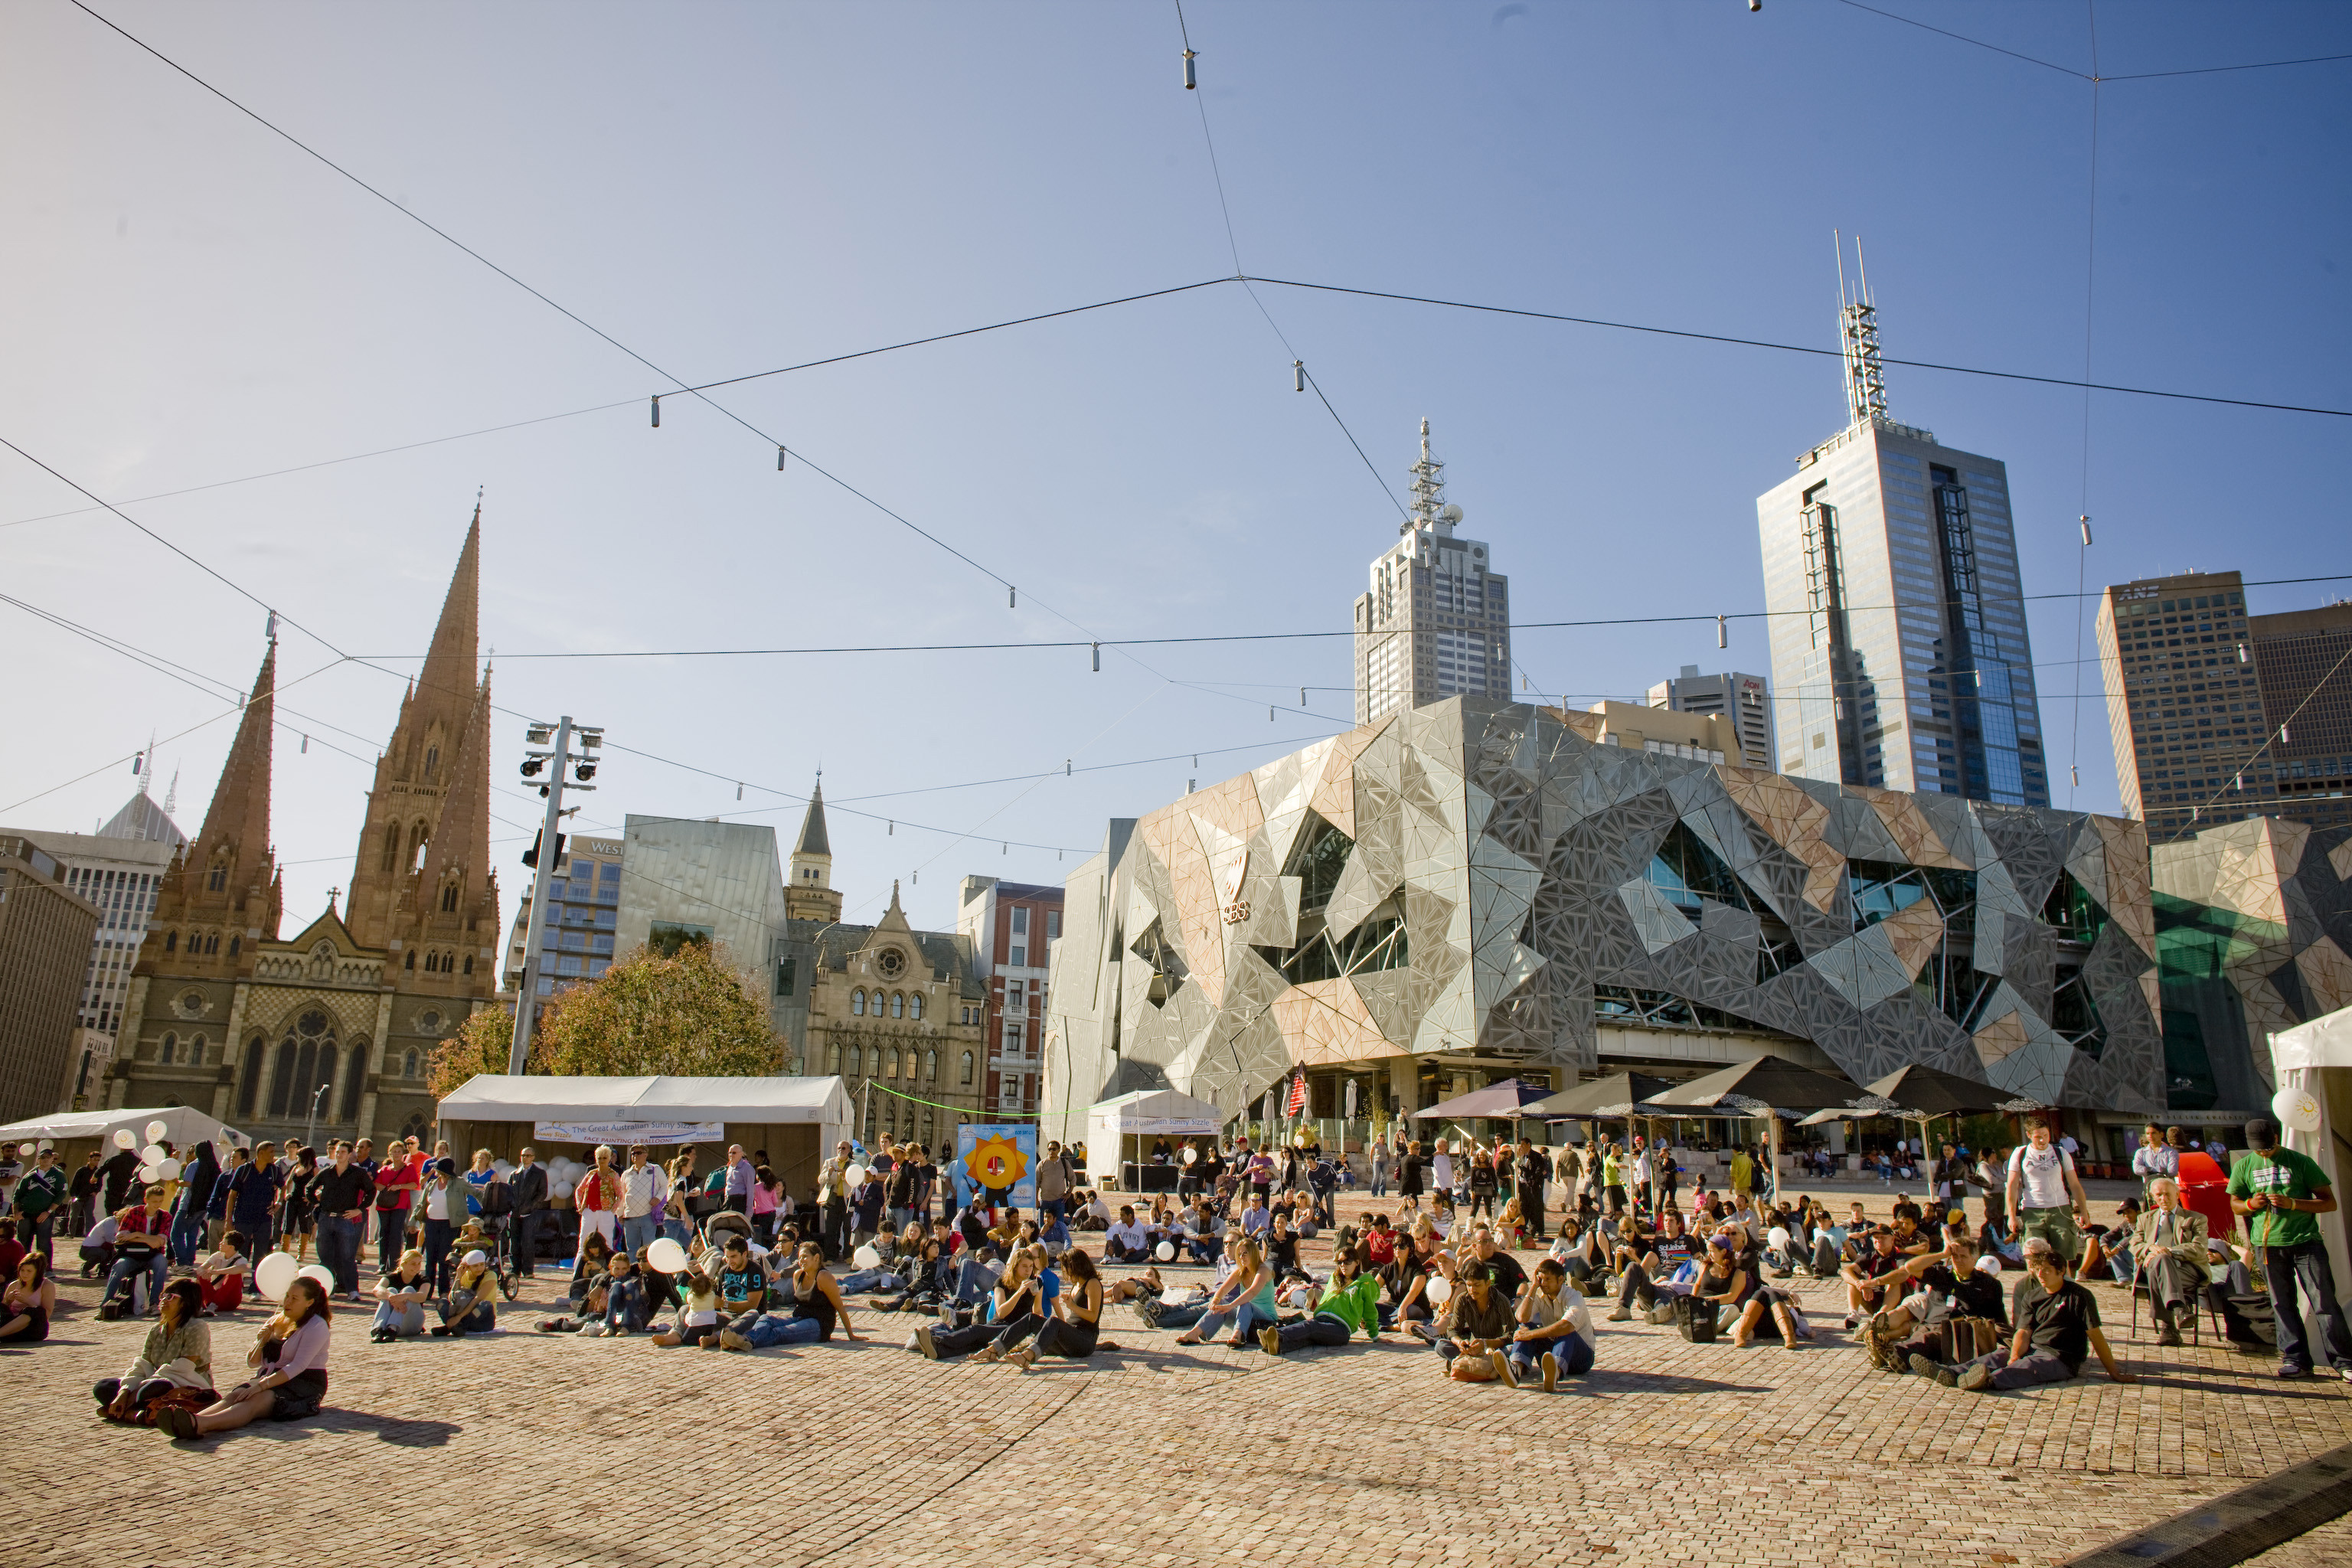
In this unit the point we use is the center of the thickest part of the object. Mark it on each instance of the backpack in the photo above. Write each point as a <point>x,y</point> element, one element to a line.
<point>1695,1319</point>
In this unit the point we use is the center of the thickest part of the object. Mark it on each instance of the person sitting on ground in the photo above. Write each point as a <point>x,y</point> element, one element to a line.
<point>1281,1248</point>
<point>289,1361</point>
<point>1144,1286</point>
<point>1865,1277</point>
<point>1765,1312</point>
<point>1910,1241</point>
<point>1349,1305</point>
<point>400,1300</point>
<point>1478,1331</point>
<point>1203,1233</point>
<point>1093,1213</point>
<point>222,1274</point>
<point>98,1247</point>
<point>2107,1251</point>
<point>1404,1279</point>
<point>30,1302</point>
<point>1126,1241</point>
<point>628,1300</point>
<point>1256,1218</point>
<point>2170,1249</point>
<point>699,1318</point>
<point>1016,1301</point>
<point>1243,1301</point>
<point>742,1291</point>
<point>1075,1330</point>
<point>806,1307</point>
<point>472,1308</point>
<point>2057,1330</point>
<point>177,1356</point>
<point>1378,1242</point>
<point>1509,1276</point>
<point>1511,1224</point>
<point>1904,1338</point>
<point>1555,1334</point>
<point>1578,1247</point>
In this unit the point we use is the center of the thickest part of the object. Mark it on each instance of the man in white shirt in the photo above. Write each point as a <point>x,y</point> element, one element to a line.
<point>644,1191</point>
<point>1203,1232</point>
<point>1125,1241</point>
<point>2045,1196</point>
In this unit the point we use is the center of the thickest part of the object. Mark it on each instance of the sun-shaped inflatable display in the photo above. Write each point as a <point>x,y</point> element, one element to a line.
<point>996,1161</point>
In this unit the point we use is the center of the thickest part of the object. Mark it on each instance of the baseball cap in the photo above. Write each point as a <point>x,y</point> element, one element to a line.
<point>2261,1132</point>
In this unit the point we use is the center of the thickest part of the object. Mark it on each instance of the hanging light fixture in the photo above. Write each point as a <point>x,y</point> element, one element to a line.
<point>1722,633</point>
<point>1011,597</point>
<point>779,457</point>
<point>1065,767</point>
<point>656,410</point>
<point>305,745</point>
<point>2074,775</point>
<point>1097,650</point>
<point>892,832</point>
<point>1302,697</point>
<point>738,791</point>
<point>1299,376</point>
<point>1189,80</point>
<point>2086,520</point>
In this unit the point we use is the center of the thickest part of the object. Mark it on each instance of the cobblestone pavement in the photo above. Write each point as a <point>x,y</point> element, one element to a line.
<point>526,1448</point>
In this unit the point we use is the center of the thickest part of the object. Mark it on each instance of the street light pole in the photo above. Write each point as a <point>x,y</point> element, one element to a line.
<point>310,1129</point>
<point>558,763</point>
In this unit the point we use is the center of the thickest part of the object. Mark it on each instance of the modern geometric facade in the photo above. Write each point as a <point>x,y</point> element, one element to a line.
<point>1900,659</point>
<point>2253,931</point>
<point>1436,623</point>
<point>1486,882</point>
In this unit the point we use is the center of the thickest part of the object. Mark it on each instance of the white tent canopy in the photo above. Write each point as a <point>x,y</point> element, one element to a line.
<point>1143,1113</point>
<point>508,1097</point>
<point>184,1126</point>
<point>2322,1042</point>
<point>2318,1057</point>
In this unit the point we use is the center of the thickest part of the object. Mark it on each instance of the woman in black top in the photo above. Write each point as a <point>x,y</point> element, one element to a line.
<point>1075,1330</point>
<point>1410,1176</point>
<point>1764,1312</point>
<point>1282,1248</point>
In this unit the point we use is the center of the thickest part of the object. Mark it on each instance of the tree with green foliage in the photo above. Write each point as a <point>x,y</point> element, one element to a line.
<point>690,1014</point>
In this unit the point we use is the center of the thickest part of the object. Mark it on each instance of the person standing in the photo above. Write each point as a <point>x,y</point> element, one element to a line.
<point>120,1170</point>
<point>1534,1170</point>
<point>2045,1196</point>
<point>643,1192</point>
<point>340,1194</point>
<point>2279,1191</point>
<point>529,1184</point>
<point>82,1192</point>
<point>395,1189</point>
<point>2155,1160</point>
<point>1053,1184</point>
<point>741,1177</point>
<point>40,1194</point>
<point>598,1198</point>
<point>1379,1163</point>
<point>197,1179</point>
<point>253,1189</point>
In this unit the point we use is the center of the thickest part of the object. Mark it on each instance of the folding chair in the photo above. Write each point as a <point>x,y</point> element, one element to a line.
<point>2199,1298</point>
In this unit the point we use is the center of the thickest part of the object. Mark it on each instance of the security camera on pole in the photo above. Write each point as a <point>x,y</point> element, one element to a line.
<point>547,851</point>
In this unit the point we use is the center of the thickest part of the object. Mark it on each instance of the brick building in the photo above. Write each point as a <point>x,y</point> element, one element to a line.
<point>1011,926</point>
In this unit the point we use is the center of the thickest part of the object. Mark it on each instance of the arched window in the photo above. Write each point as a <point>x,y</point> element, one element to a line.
<point>414,1127</point>
<point>915,1006</point>
<point>416,835</point>
<point>408,1065</point>
<point>212,942</point>
<point>412,960</point>
<point>218,877</point>
<point>897,1004</point>
<point>390,845</point>
<point>355,1078</point>
<point>281,1080</point>
<point>857,1003</point>
<point>195,1057</point>
<point>931,1066</point>
<point>233,943</point>
<point>432,761</point>
<point>170,941</point>
<point>469,963</point>
<point>856,1061</point>
<point>170,1048</point>
<point>834,1058</point>
<point>249,1081</point>
<point>893,1063</point>
<point>967,1067</point>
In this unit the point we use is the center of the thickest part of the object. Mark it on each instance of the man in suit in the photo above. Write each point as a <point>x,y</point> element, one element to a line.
<point>2168,1247</point>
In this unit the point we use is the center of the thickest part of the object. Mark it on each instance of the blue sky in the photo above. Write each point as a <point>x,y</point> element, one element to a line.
<point>730,188</point>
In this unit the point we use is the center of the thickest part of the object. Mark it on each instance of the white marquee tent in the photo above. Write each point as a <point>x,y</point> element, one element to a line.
<point>184,1126</point>
<point>1144,1113</point>
<point>2318,1057</point>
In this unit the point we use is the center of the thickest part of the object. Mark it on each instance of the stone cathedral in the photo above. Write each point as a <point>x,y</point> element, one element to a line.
<point>328,1032</point>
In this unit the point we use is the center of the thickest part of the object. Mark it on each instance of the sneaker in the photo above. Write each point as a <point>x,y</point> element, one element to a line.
<point>1977,1379</point>
<point>2294,1372</point>
<point>1622,1315</point>
<point>2168,1336</point>
<point>442,1331</point>
<point>926,1343</point>
<point>1550,1371</point>
<point>730,1340</point>
<point>1947,1377</point>
<point>1270,1339</point>
<point>1852,1321</point>
<point>1502,1365</point>
<point>1925,1366</point>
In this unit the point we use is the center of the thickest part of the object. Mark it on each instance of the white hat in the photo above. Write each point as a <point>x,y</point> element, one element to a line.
<point>473,1257</point>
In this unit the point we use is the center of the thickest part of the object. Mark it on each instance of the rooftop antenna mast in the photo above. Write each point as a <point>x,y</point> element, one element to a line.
<point>1429,509</point>
<point>1865,375</point>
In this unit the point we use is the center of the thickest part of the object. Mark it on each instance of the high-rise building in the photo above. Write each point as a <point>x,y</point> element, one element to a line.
<point>45,935</point>
<point>1900,659</point>
<point>2301,658</point>
<point>1742,699</point>
<point>1012,927</point>
<point>582,917</point>
<point>117,869</point>
<point>1436,623</point>
<point>2184,704</point>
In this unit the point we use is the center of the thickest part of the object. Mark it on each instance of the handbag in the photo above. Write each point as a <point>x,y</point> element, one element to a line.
<point>1695,1319</point>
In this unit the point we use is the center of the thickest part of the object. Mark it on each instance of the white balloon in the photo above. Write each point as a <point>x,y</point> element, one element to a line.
<point>169,1169</point>
<point>151,1154</point>
<point>1779,1237</point>
<point>320,1275</point>
<point>125,1139</point>
<point>664,1256</point>
<point>2296,1107</point>
<point>274,1273</point>
<point>1440,1291</point>
<point>1165,1251</point>
<point>1987,1264</point>
<point>155,1131</point>
<point>1191,1153</point>
<point>867,1258</point>
<point>150,1173</point>
<point>853,1175</point>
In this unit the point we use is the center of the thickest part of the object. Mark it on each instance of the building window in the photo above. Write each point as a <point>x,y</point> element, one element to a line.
<point>857,1003</point>
<point>248,1083</point>
<point>1020,957</point>
<point>408,1064</point>
<point>1053,925</point>
<point>449,898</point>
<point>834,1059</point>
<point>170,941</point>
<point>893,1064</point>
<point>914,1008</point>
<point>1021,920</point>
<point>967,1069</point>
<point>233,943</point>
<point>412,960</point>
<point>197,1052</point>
<point>357,1077</point>
<point>170,1048</point>
<point>931,1066</point>
<point>897,1004</point>
<point>391,846</point>
<point>787,976</point>
<point>856,1061</point>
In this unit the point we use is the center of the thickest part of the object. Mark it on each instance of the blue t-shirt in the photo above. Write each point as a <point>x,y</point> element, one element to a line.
<point>475,1181</point>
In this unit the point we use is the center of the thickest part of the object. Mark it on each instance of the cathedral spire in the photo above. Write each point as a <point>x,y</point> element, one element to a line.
<point>236,833</point>
<point>446,682</point>
<point>459,850</point>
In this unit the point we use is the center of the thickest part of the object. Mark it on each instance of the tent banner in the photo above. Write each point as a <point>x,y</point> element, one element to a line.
<point>1002,1158</point>
<point>627,1132</point>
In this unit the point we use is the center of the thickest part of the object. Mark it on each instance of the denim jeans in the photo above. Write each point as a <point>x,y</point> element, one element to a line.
<point>187,1234</point>
<point>861,1281</point>
<point>1322,1330</point>
<point>1244,1321</point>
<point>637,1233</point>
<point>2303,1266</point>
<point>125,1269</point>
<point>339,1249</point>
<point>1574,1351</point>
<point>406,1321</point>
<point>390,1237</point>
<point>437,1233</point>
<point>776,1329</point>
<point>2033,1367</point>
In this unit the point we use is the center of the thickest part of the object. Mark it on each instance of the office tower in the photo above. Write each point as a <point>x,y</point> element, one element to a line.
<point>583,904</point>
<point>1899,651</point>
<point>1011,927</point>
<point>2301,659</point>
<point>45,937</point>
<point>1436,623</point>
<point>2184,707</point>
<point>118,868</point>
<point>1742,699</point>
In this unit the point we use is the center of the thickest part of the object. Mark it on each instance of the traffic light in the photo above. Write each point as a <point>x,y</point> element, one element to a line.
<point>531,856</point>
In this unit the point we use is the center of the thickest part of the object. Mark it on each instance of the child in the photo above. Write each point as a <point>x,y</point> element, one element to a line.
<point>699,1320</point>
<point>222,1276</point>
<point>470,1310</point>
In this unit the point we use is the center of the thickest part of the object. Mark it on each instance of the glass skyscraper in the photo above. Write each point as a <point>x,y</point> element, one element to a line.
<point>1900,659</point>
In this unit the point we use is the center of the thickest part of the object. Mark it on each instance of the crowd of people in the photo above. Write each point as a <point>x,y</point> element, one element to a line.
<point>706,1260</point>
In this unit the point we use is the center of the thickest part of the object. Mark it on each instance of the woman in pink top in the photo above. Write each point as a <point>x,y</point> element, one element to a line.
<point>289,1380</point>
<point>764,1205</point>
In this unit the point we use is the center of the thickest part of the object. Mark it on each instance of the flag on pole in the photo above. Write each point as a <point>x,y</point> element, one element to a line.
<point>1298,1094</point>
<point>1268,1114</point>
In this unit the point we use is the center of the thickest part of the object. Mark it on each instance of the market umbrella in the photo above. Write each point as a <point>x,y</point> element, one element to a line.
<point>1506,1099</point>
<point>1767,1085</point>
<point>1915,1093</point>
<point>1614,1096</point>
